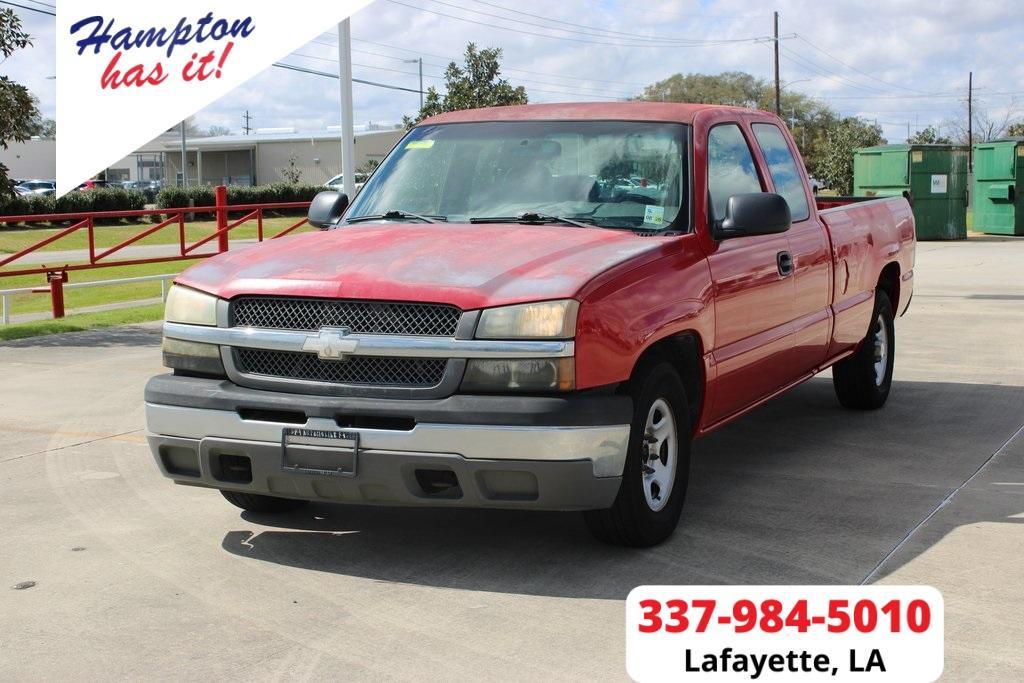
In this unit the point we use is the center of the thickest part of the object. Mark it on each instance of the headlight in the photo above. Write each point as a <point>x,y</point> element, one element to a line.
<point>540,374</point>
<point>544,320</point>
<point>194,357</point>
<point>189,306</point>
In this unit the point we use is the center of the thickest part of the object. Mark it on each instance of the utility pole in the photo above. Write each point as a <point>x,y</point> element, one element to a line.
<point>247,120</point>
<point>970,122</point>
<point>778,94</point>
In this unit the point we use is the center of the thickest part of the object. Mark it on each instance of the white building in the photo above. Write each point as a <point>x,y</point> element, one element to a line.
<point>257,159</point>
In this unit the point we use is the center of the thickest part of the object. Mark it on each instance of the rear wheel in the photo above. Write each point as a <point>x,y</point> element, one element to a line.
<point>863,380</point>
<point>254,502</point>
<point>650,500</point>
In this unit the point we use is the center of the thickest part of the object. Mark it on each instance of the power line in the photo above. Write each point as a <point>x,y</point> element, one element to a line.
<point>609,32</point>
<point>30,9</point>
<point>850,66</point>
<point>438,77</point>
<point>503,68</point>
<point>576,40</point>
<point>292,67</point>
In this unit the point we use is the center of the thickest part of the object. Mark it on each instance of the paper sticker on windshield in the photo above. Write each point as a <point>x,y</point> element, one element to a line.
<point>654,214</point>
<point>419,144</point>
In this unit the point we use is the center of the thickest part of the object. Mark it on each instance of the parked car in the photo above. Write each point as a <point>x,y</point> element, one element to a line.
<point>93,184</point>
<point>150,188</point>
<point>338,181</point>
<point>480,327</point>
<point>41,187</point>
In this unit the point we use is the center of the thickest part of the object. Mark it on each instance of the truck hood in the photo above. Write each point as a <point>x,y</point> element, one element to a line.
<point>470,266</point>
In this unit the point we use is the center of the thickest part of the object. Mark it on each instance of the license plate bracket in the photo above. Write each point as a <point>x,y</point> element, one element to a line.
<point>322,452</point>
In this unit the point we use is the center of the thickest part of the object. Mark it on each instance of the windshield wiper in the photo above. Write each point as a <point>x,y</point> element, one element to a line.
<point>396,214</point>
<point>533,217</point>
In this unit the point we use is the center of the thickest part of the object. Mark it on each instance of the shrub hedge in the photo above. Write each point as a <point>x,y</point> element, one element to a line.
<point>100,199</point>
<point>177,197</point>
<point>119,199</point>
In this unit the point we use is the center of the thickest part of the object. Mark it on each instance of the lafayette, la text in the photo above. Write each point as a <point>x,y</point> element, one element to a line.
<point>753,664</point>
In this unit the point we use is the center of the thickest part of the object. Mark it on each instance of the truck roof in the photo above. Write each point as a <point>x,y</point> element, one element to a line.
<point>615,111</point>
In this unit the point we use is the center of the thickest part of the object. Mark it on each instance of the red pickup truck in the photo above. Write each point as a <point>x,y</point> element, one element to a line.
<point>529,307</point>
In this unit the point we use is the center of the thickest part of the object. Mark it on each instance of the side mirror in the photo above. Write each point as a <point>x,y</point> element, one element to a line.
<point>326,209</point>
<point>758,213</point>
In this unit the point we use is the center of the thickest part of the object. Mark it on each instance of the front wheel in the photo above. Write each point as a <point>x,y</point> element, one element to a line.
<point>863,380</point>
<point>650,500</point>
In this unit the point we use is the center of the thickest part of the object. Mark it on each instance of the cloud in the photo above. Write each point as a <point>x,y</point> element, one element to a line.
<point>886,61</point>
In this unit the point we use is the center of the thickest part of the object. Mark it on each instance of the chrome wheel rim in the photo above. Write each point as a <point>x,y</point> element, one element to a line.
<point>881,349</point>
<point>660,455</point>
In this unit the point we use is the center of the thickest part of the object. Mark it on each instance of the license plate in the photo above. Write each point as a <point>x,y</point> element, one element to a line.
<point>324,452</point>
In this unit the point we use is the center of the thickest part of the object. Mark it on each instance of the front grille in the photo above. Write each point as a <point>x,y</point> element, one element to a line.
<point>360,317</point>
<point>364,370</point>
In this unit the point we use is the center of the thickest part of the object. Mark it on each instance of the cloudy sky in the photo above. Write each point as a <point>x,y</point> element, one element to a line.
<point>898,62</point>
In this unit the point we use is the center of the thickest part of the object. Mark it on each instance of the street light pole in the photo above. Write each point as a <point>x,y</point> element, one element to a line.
<point>348,139</point>
<point>778,94</point>
<point>184,157</point>
<point>420,62</point>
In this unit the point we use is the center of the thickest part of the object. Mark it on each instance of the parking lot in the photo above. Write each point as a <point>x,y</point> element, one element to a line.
<point>135,577</point>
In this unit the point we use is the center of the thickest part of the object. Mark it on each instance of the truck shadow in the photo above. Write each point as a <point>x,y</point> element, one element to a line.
<point>800,491</point>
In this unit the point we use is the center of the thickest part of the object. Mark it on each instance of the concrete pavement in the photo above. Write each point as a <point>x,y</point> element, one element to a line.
<point>137,578</point>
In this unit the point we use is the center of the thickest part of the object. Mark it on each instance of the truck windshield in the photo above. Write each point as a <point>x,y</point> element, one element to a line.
<point>613,174</point>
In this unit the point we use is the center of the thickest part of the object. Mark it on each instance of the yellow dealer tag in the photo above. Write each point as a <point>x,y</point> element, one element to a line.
<point>1020,150</point>
<point>419,144</point>
<point>917,156</point>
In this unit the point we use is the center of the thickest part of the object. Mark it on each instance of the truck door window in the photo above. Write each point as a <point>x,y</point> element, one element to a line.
<point>731,167</point>
<point>783,168</point>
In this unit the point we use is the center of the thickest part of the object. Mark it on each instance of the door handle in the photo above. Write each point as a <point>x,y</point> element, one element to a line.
<point>785,262</point>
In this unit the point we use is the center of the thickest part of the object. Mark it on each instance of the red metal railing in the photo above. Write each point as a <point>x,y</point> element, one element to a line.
<point>57,274</point>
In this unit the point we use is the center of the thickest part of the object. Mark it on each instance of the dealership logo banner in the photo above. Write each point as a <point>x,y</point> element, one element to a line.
<point>128,71</point>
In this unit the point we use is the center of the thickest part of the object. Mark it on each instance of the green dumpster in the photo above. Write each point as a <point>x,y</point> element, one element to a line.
<point>998,180</point>
<point>933,177</point>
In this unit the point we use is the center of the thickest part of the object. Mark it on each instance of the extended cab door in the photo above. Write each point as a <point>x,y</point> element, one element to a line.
<point>809,248</point>
<point>753,296</point>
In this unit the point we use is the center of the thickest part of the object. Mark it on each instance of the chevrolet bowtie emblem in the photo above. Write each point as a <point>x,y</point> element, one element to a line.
<point>331,343</point>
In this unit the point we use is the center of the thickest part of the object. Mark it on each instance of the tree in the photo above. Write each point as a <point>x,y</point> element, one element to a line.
<point>1016,130</point>
<point>988,125</point>
<point>476,83</point>
<point>44,128</point>
<point>292,173</point>
<point>835,165</point>
<point>928,136</point>
<point>214,131</point>
<point>368,166</point>
<point>18,110</point>
<point>809,119</point>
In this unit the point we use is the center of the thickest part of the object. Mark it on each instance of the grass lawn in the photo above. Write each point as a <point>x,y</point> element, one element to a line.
<point>14,240</point>
<point>92,296</point>
<point>87,321</point>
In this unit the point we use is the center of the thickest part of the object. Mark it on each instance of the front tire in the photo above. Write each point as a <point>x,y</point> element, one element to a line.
<point>650,500</point>
<point>254,502</point>
<point>863,381</point>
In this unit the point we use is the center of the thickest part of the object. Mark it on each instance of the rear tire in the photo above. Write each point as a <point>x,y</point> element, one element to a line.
<point>254,502</point>
<point>650,500</point>
<point>863,380</point>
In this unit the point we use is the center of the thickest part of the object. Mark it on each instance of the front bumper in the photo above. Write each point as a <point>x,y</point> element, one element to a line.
<point>555,453</point>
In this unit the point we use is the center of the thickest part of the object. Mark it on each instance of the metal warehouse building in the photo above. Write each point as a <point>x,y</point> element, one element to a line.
<point>256,159</point>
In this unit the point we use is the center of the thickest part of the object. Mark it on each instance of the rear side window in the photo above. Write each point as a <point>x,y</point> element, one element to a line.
<point>783,168</point>
<point>731,168</point>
